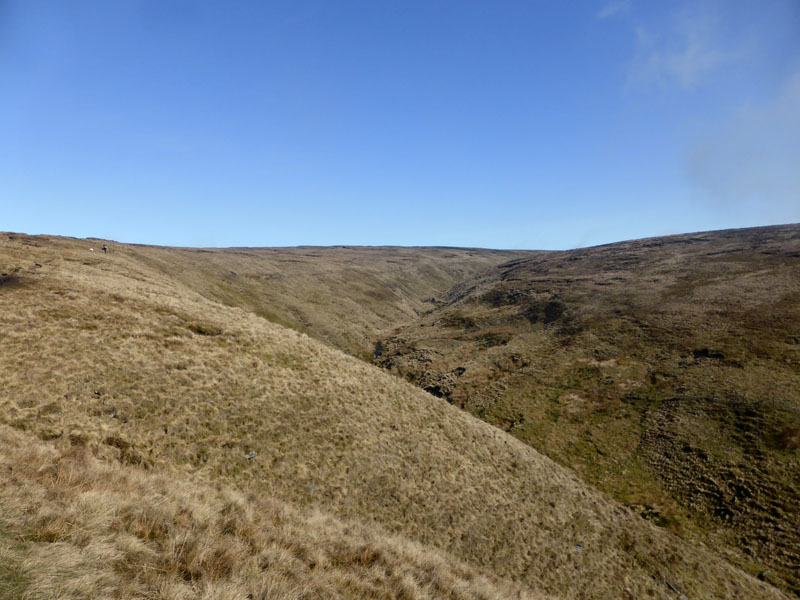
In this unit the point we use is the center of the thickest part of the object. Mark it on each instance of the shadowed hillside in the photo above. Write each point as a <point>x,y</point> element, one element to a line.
<point>110,354</point>
<point>665,371</point>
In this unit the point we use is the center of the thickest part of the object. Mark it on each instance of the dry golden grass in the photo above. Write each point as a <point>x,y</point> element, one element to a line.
<point>74,527</point>
<point>109,354</point>
<point>345,296</point>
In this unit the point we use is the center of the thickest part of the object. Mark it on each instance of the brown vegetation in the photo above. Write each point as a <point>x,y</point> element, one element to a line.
<point>345,296</point>
<point>74,527</point>
<point>665,371</point>
<point>112,357</point>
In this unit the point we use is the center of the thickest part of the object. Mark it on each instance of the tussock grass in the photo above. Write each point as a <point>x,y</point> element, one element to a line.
<point>102,355</point>
<point>75,527</point>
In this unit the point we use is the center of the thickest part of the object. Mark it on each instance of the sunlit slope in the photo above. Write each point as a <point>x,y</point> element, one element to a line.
<point>665,371</point>
<point>345,296</point>
<point>106,352</point>
<point>74,527</point>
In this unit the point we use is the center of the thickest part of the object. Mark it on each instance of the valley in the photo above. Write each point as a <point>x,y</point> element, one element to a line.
<point>612,422</point>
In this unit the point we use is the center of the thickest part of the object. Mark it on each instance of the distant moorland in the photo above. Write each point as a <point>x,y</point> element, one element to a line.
<point>613,422</point>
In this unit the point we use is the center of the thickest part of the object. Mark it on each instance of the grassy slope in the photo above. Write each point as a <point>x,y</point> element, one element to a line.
<point>72,527</point>
<point>344,296</point>
<point>664,371</point>
<point>108,353</point>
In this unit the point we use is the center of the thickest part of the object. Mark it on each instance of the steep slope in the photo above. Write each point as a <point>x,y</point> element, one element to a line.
<point>344,296</point>
<point>72,526</point>
<point>665,371</point>
<point>109,353</point>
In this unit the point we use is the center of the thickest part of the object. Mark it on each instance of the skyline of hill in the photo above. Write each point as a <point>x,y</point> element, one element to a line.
<point>665,371</point>
<point>154,358</point>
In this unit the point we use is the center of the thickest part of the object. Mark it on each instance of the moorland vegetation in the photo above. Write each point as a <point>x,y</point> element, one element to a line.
<point>206,423</point>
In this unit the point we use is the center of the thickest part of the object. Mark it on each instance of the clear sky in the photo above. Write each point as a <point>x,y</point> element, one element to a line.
<point>510,124</point>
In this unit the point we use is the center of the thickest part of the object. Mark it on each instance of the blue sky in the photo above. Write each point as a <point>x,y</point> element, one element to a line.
<point>510,124</point>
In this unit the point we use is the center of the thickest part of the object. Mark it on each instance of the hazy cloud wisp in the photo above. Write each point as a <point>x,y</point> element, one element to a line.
<point>613,8</point>
<point>683,53</point>
<point>753,157</point>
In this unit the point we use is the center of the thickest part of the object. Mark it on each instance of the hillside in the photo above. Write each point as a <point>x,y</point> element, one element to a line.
<point>664,371</point>
<point>344,296</point>
<point>72,526</point>
<point>116,356</point>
